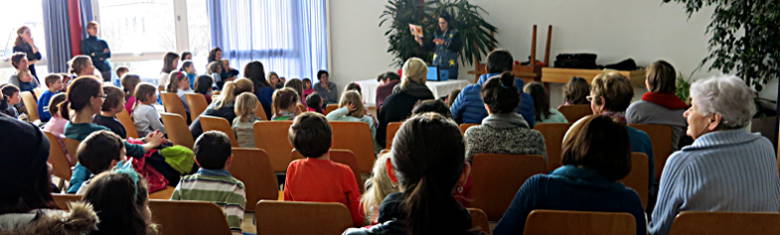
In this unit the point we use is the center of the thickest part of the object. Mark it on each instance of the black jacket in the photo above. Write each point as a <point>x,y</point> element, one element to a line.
<point>226,112</point>
<point>94,48</point>
<point>397,107</point>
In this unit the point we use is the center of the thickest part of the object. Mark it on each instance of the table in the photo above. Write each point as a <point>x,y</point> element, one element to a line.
<point>439,89</point>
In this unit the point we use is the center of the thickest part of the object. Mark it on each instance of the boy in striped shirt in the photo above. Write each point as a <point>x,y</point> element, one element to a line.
<point>213,182</point>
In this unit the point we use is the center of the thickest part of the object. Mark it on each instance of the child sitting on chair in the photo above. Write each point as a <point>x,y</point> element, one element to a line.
<point>99,152</point>
<point>113,104</point>
<point>145,116</point>
<point>245,108</point>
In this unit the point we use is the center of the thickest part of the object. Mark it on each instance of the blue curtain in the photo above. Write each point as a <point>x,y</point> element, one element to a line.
<point>57,30</point>
<point>288,37</point>
<point>86,15</point>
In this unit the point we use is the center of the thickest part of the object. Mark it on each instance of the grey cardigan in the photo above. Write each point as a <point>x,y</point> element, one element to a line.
<point>506,134</point>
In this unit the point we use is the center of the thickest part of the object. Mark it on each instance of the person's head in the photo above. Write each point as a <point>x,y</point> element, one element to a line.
<point>24,174</point>
<point>203,84</point>
<point>85,94</point>
<point>188,67</point>
<point>233,89</point>
<point>541,99</point>
<point>215,54</point>
<point>54,82</point>
<point>610,91</point>
<point>353,87</point>
<point>428,161</point>
<point>310,134</point>
<point>81,65</point>
<point>719,103</point>
<point>121,202</point>
<point>499,61</point>
<point>214,67</point>
<point>212,150</point>
<point>285,99</point>
<point>314,100</point>
<point>54,103</point>
<point>273,78</point>
<point>24,75</point>
<point>576,91</point>
<point>100,151</point>
<point>436,106</point>
<point>352,100</point>
<point>115,100</point>
<point>186,55</point>
<point>177,81</point>
<point>389,77</point>
<point>225,63</point>
<point>146,93</point>
<point>598,143</point>
<point>451,97</point>
<point>19,61</point>
<point>414,71</point>
<point>282,80</point>
<point>245,107</point>
<point>660,77</point>
<point>129,82</point>
<point>23,34</point>
<point>295,84</point>
<point>121,71</point>
<point>306,83</point>
<point>499,94</point>
<point>170,62</point>
<point>444,21</point>
<point>11,94</point>
<point>92,28</point>
<point>378,186</point>
<point>256,73</point>
<point>323,76</point>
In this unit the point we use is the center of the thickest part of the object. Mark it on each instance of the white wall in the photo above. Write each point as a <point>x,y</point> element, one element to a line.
<point>644,30</point>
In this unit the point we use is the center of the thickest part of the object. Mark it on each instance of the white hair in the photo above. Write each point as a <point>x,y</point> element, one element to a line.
<point>727,96</point>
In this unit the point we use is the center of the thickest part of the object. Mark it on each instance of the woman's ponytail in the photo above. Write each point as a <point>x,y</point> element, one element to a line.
<point>63,109</point>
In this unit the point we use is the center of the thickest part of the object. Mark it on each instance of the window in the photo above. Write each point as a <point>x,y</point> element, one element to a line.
<point>30,14</point>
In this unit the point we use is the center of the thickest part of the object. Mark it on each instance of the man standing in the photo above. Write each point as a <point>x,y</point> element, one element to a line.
<point>97,50</point>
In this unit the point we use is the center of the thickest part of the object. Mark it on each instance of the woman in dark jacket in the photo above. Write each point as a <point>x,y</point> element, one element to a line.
<point>398,106</point>
<point>223,104</point>
<point>255,72</point>
<point>24,43</point>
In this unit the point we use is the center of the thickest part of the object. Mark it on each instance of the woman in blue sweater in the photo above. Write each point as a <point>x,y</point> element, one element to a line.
<point>595,157</point>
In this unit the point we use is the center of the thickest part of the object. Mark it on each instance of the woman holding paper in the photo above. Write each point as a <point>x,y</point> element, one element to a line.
<point>446,44</point>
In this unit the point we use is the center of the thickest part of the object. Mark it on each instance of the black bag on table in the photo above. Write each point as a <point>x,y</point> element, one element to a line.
<point>578,61</point>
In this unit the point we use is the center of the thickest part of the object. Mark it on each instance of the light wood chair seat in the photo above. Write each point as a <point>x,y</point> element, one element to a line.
<point>562,222</point>
<point>275,217</point>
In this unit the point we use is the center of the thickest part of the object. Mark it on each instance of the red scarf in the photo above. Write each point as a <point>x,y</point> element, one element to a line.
<point>668,100</point>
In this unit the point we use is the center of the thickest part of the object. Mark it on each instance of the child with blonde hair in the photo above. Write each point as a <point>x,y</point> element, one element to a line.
<point>245,107</point>
<point>351,109</point>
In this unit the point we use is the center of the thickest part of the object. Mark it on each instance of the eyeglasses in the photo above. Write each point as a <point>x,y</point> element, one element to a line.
<point>102,96</point>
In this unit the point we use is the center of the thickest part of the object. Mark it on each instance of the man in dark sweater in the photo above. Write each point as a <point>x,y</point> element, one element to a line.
<point>97,50</point>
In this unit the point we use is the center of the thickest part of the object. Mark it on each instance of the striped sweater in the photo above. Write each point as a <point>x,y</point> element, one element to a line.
<point>216,186</point>
<point>731,170</point>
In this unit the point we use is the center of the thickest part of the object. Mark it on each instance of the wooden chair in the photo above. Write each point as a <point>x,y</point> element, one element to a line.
<point>638,178</point>
<point>31,105</point>
<point>188,217</point>
<point>465,126</point>
<point>579,223</point>
<point>163,194</point>
<point>260,112</point>
<point>252,166</point>
<point>212,123</point>
<point>575,112</point>
<point>722,223</point>
<point>127,122</point>
<point>197,103</point>
<point>72,146</point>
<point>355,136</point>
<point>553,140</point>
<point>39,91</point>
<point>497,177</point>
<point>60,164</point>
<point>343,156</point>
<point>392,128</point>
<point>173,104</point>
<point>276,217</point>
<point>62,200</point>
<point>661,139</point>
<point>178,132</point>
<point>479,220</point>
<point>271,136</point>
<point>330,107</point>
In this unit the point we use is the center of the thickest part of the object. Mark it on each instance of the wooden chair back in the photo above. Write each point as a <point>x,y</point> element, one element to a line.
<point>213,123</point>
<point>497,177</point>
<point>283,217</point>
<point>173,104</point>
<point>62,200</point>
<point>575,112</point>
<point>127,122</point>
<point>392,128</point>
<point>465,126</point>
<point>479,220</point>
<point>661,139</point>
<point>579,223</point>
<point>163,194</point>
<point>722,223</point>
<point>28,98</point>
<point>553,140</point>
<point>60,164</point>
<point>343,156</point>
<point>188,217</point>
<point>252,166</point>
<point>330,107</point>
<point>260,112</point>
<point>355,136</point>
<point>197,103</point>
<point>271,136</point>
<point>178,132</point>
<point>72,146</point>
<point>638,178</point>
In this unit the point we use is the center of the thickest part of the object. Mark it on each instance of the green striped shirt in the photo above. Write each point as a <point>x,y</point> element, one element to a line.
<point>216,186</point>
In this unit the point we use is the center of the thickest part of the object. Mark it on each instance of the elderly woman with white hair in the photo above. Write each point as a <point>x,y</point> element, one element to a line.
<point>398,106</point>
<point>727,168</point>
